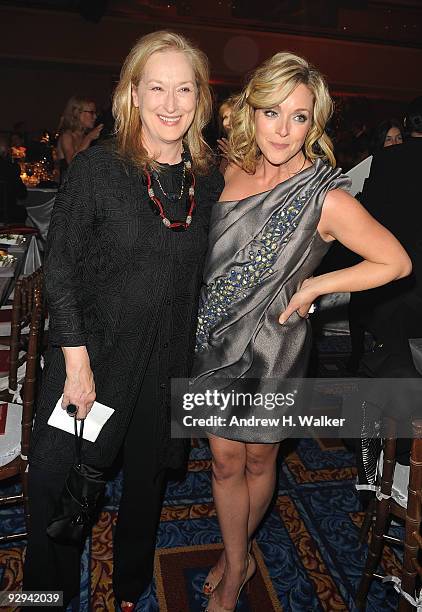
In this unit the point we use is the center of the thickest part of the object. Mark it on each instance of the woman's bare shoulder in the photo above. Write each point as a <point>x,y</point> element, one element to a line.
<point>66,136</point>
<point>236,184</point>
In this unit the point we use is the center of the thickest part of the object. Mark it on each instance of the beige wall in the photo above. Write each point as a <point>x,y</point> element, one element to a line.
<point>46,56</point>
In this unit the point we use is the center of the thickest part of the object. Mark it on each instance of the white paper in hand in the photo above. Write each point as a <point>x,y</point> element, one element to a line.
<point>94,422</point>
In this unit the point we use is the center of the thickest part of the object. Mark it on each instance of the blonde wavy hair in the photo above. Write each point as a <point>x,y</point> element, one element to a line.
<point>70,120</point>
<point>271,84</point>
<point>128,123</point>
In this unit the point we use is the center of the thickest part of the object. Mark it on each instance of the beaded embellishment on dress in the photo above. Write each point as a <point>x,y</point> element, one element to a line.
<point>226,290</point>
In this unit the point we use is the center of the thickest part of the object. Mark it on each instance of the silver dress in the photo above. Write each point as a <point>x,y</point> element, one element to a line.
<point>261,248</point>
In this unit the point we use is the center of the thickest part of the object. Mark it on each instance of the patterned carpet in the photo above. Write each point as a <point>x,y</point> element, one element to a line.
<point>307,550</point>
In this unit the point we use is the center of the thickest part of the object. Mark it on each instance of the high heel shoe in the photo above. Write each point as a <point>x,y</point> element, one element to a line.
<point>211,582</point>
<point>250,571</point>
<point>127,606</point>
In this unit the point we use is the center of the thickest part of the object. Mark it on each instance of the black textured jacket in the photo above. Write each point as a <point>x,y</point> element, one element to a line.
<point>115,277</point>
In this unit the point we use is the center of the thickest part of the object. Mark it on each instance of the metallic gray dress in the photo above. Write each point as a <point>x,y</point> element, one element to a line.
<point>261,249</point>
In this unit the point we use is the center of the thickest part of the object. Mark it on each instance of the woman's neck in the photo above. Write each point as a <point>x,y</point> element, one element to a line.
<point>271,174</point>
<point>164,153</point>
<point>170,157</point>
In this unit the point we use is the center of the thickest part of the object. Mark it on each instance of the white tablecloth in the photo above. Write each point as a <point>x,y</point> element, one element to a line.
<point>39,206</point>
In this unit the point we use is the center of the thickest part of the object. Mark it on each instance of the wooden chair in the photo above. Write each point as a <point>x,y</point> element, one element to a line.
<point>26,290</point>
<point>390,503</point>
<point>29,310</point>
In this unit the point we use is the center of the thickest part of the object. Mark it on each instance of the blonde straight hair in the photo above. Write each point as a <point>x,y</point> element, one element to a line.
<point>128,123</point>
<point>271,84</point>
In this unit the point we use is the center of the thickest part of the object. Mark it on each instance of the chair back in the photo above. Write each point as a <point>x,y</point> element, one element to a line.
<point>40,216</point>
<point>32,364</point>
<point>28,294</point>
<point>29,312</point>
<point>410,593</point>
<point>412,568</point>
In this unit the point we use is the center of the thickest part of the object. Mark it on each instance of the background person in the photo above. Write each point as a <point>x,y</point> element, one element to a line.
<point>77,130</point>
<point>12,188</point>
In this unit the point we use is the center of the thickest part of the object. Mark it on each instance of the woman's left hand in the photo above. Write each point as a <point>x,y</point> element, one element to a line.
<point>301,301</point>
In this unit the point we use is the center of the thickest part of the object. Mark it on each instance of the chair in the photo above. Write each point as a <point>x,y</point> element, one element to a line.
<point>28,309</point>
<point>39,214</point>
<point>393,500</point>
<point>26,291</point>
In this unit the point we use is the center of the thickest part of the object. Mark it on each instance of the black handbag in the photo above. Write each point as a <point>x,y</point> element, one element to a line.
<point>76,509</point>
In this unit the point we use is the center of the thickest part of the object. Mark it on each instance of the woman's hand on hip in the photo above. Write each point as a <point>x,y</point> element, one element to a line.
<point>301,301</point>
<point>79,386</point>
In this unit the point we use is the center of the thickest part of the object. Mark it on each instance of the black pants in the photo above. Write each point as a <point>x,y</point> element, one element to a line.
<point>48,566</point>
<point>52,566</point>
<point>142,498</point>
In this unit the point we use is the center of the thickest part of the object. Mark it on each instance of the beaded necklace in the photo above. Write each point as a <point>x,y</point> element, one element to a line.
<point>176,226</point>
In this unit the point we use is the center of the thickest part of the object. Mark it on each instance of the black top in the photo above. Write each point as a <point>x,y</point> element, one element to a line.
<point>121,283</point>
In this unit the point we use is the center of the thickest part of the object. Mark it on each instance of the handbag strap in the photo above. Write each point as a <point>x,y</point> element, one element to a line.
<point>78,439</point>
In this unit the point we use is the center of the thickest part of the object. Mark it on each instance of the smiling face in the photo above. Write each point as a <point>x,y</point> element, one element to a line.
<point>393,137</point>
<point>166,98</point>
<point>281,131</point>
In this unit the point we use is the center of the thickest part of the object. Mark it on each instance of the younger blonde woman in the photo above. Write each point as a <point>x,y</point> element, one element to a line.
<point>284,203</point>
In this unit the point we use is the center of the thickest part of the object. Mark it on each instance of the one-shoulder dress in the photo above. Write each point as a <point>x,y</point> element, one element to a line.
<point>261,248</point>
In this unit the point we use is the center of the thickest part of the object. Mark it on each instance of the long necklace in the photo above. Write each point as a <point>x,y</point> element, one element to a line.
<point>176,226</point>
<point>171,197</point>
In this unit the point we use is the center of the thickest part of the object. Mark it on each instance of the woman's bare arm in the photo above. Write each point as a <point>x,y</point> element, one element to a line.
<point>67,142</point>
<point>67,146</point>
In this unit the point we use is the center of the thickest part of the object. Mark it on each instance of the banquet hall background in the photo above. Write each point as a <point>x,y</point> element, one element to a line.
<point>308,549</point>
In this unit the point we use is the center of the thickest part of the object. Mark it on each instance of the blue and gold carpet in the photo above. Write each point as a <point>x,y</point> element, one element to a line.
<point>309,557</point>
<point>307,550</point>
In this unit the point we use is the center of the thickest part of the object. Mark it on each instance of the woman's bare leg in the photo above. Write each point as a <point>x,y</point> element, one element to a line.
<point>243,484</point>
<point>261,477</point>
<point>231,497</point>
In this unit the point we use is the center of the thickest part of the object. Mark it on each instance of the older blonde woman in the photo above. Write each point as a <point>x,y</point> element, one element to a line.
<point>282,206</point>
<point>123,270</point>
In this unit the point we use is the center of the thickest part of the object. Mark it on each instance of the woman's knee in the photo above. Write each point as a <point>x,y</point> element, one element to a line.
<point>260,460</point>
<point>228,460</point>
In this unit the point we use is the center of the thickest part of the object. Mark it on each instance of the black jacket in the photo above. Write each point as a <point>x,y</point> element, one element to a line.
<point>117,281</point>
<point>393,195</point>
